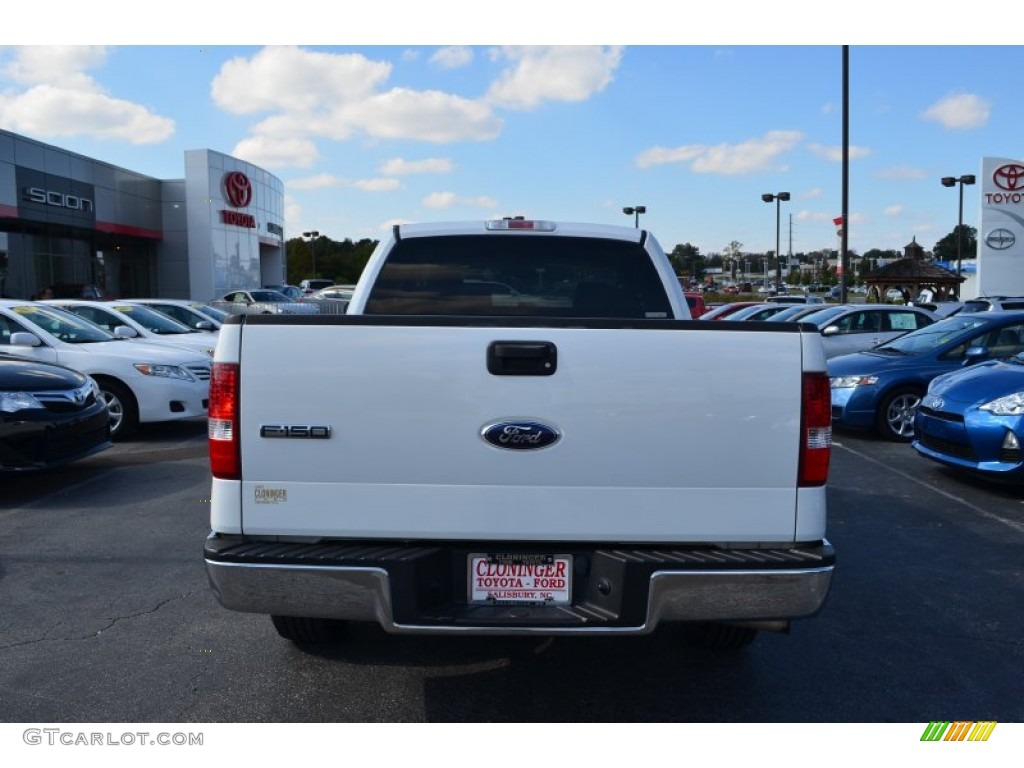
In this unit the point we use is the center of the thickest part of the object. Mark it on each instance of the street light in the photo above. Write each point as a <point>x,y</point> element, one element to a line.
<point>636,209</point>
<point>952,181</point>
<point>310,237</point>
<point>778,200</point>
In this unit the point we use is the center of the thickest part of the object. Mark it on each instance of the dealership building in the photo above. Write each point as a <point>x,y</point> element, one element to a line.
<point>67,220</point>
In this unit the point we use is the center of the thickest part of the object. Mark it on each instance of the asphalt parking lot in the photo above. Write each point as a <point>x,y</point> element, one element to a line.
<point>107,617</point>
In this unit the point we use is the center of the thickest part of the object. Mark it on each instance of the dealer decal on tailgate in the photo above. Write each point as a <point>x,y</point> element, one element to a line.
<point>266,495</point>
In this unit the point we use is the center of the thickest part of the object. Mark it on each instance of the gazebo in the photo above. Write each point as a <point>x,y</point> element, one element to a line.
<point>910,275</point>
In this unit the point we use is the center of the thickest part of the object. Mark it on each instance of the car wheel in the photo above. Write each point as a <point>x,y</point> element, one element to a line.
<point>718,637</point>
<point>896,414</point>
<point>305,630</point>
<point>124,411</point>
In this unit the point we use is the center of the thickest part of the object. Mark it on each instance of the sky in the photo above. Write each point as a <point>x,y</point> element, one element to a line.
<point>364,136</point>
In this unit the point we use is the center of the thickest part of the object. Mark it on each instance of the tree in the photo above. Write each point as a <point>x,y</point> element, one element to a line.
<point>863,268</point>
<point>686,260</point>
<point>341,262</point>
<point>946,248</point>
<point>732,253</point>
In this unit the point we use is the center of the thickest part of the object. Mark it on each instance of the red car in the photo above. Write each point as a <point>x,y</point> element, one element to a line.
<point>696,302</point>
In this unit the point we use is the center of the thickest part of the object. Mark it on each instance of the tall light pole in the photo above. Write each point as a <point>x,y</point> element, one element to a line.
<point>637,210</point>
<point>311,237</point>
<point>778,199</point>
<point>952,181</point>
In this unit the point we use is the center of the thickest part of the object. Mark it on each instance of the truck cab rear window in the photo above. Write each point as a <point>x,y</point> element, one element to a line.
<point>519,276</point>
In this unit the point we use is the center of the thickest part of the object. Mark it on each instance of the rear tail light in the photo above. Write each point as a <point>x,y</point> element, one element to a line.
<point>815,430</point>
<point>225,452</point>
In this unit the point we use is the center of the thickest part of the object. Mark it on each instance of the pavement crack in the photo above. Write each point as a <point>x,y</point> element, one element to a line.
<point>117,619</point>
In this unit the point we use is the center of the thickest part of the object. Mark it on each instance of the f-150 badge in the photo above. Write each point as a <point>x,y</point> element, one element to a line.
<point>302,431</point>
<point>520,435</point>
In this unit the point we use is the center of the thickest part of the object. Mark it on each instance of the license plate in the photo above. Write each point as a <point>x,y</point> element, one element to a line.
<point>498,578</point>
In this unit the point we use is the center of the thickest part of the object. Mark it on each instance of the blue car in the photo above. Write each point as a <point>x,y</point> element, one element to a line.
<point>881,388</point>
<point>973,420</point>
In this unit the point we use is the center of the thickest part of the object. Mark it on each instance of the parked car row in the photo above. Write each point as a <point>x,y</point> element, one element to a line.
<point>948,382</point>
<point>139,378</point>
<point>77,373</point>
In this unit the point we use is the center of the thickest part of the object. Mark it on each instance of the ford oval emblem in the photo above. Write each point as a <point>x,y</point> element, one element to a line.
<point>520,435</point>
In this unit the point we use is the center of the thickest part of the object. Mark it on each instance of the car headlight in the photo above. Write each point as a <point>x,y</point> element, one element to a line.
<point>164,371</point>
<point>1010,405</point>
<point>12,402</point>
<point>846,382</point>
<point>96,391</point>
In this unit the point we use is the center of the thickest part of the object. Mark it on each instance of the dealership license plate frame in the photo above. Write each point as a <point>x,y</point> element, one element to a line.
<point>532,595</point>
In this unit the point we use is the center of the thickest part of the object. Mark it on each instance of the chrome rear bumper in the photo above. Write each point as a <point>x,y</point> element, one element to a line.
<point>408,589</point>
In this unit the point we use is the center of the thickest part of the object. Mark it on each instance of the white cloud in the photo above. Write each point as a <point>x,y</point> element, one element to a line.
<point>377,185</point>
<point>431,116</point>
<point>398,166</point>
<point>277,152</point>
<point>893,210</point>
<point>291,79</point>
<point>959,111</point>
<point>835,153</point>
<point>666,155</point>
<point>441,200</point>
<point>309,95</point>
<point>452,57</point>
<point>556,73</point>
<point>749,156</point>
<point>55,65</point>
<point>812,194</point>
<point>62,100</point>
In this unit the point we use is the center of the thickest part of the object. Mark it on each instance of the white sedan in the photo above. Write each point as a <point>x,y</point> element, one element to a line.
<point>136,321</point>
<point>194,314</point>
<point>140,382</point>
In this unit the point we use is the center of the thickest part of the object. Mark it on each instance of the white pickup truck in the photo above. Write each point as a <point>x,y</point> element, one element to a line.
<point>517,429</point>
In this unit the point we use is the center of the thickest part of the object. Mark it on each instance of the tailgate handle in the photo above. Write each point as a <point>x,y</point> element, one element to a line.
<point>522,358</point>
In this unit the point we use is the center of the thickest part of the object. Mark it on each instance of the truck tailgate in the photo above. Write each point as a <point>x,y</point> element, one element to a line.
<point>666,434</point>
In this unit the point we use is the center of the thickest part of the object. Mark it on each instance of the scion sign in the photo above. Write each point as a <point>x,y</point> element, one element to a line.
<point>58,199</point>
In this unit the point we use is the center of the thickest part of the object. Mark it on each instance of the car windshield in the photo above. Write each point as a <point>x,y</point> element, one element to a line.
<point>934,336</point>
<point>62,325</point>
<point>213,312</point>
<point>820,316</point>
<point>268,296</point>
<point>151,320</point>
<point>743,314</point>
<point>793,312</point>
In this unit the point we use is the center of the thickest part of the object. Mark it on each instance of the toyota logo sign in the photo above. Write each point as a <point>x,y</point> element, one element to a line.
<point>238,189</point>
<point>1009,177</point>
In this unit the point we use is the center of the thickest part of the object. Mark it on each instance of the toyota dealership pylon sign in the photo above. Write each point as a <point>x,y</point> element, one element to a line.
<point>238,193</point>
<point>1001,233</point>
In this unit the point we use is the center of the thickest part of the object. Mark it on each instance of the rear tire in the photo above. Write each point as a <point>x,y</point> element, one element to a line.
<point>124,411</point>
<point>718,637</point>
<point>306,630</point>
<point>896,414</point>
